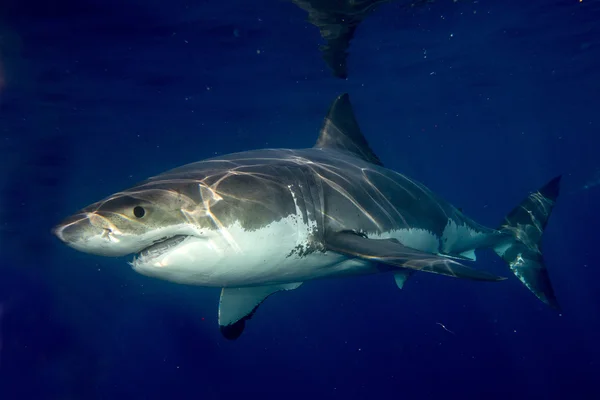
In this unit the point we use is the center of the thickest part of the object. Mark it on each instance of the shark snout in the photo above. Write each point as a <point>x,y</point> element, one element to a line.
<point>93,233</point>
<point>75,228</point>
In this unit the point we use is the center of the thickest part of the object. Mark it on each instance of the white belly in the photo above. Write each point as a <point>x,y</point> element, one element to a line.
<point>236,257</point>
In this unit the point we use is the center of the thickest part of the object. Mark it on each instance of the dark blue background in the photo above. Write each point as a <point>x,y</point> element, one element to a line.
<point>481,101</point>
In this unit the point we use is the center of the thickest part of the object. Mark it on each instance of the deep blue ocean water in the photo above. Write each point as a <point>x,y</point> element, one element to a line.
<point>482,101</point>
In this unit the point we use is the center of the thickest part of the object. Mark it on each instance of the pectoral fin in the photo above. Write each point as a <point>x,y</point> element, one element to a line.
<point>237,305</point>
<point>392,252</point>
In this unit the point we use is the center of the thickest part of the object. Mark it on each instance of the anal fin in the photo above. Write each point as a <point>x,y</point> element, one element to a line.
<point>392,252</point>
<point>237,305</point>
<point>469,255</point>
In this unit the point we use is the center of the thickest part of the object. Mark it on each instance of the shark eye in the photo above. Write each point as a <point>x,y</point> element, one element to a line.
<point>139,212</point>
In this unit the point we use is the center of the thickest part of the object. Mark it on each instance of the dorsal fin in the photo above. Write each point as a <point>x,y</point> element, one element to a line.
<point>341,131</point>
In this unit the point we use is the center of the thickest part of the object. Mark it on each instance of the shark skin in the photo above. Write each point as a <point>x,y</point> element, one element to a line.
<point>263,221</point>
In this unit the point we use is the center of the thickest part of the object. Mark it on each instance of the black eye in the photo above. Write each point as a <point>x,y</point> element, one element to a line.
<point>139,212</point>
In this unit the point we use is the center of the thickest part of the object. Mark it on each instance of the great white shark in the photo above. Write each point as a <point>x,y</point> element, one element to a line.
<point>263,221</point>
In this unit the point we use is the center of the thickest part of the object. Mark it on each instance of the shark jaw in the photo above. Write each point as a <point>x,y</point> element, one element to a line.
<point>158,248</point>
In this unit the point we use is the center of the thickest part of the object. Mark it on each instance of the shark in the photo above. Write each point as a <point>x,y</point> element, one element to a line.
<point>259,222</point>
<point>338,20</point>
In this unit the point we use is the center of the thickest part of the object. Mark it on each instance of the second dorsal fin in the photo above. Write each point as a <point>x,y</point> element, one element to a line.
<point>341,131</point>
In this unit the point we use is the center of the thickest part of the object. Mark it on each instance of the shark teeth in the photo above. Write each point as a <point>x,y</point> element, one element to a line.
<point>157,249</point>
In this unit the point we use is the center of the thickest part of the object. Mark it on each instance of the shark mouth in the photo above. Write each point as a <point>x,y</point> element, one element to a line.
<point>159,247</point>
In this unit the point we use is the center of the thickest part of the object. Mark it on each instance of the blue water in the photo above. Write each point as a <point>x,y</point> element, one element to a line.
<point>483,101</point>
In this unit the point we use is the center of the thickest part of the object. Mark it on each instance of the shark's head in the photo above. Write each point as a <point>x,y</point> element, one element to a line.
<point>185,231</point>
<point>149,222</point>
<point>125,223</point>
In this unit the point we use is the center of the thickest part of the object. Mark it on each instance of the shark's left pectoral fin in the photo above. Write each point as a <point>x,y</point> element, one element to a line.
<point>237,305</point>
<point>392,252</point>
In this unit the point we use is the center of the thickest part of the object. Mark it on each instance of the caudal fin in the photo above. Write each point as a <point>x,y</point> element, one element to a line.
<point>526,223</point>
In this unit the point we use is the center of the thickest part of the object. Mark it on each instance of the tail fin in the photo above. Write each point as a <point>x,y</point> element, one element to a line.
<point>526,223</point>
